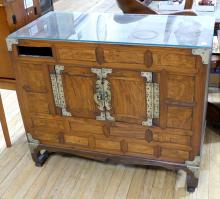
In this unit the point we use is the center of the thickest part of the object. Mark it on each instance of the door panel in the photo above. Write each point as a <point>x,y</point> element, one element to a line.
<point>181,88</point>
<point>34,83</point>
<point>128,96</point>
<point>79,89</point>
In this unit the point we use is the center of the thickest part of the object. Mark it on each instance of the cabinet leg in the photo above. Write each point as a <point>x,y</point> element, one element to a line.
<point>191,182</point>
<point>40,158</point>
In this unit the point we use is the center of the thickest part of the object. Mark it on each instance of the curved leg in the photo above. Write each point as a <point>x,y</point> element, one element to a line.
<point>40,157</point>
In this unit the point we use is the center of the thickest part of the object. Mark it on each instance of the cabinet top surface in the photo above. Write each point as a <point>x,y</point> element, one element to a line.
<point>124,29</point>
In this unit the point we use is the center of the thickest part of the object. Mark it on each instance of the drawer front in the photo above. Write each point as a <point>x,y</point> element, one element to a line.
<point>128,57</point>
<point>119,139</point>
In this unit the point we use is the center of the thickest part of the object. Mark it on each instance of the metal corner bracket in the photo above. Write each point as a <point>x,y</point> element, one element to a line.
<point>33,143</point>
<point>204,53</point>
<point>10,42</point>
<point>194,166</point>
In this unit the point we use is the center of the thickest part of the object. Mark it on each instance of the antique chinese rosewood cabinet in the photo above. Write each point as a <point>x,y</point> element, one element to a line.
<point>123,88</point>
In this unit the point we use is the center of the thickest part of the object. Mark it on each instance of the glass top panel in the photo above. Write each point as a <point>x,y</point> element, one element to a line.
<point>124,29</point>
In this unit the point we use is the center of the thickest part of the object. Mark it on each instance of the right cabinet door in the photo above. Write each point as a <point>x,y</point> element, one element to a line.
<point>134,96</point>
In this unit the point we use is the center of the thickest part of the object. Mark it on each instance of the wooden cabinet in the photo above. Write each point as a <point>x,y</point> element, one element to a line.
<point>134,104</point>
<point>141,112</point>
<point>13,15</point>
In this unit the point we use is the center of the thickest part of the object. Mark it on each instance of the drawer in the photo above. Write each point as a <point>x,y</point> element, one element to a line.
<point>121,139</point>
<point>48,124</point>
<point>76,53</point>
<point>151,135</point>
<point>127,57</point>
<point>148,58</point>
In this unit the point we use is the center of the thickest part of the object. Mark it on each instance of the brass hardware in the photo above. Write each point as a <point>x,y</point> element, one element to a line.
<point>102,97</point>
<point>149,135</point>
<point>204,53</point>
<point>33,143</point>
<point>194,166</point>
<point>58,92</point>
<point>152,99</point>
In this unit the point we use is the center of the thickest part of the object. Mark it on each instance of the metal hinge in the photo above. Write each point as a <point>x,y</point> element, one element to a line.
<point>57,87</point>
<point>102,97</point>
<point>152,99</point>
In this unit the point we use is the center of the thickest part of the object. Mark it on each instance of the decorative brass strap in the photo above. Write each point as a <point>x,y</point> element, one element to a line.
<point>102,97</point>
<point>58,92</point>
<point>152,99</point>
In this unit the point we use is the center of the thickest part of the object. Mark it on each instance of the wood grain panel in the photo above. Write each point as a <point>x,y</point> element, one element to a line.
<point>123,55</point>
<point>137,148</point>
<point>34,77</point>
<point>173,60</point>
<point>180,118</point>
<point>175,154</point>
<point>46,137</point>
<point>180,88</point>
<point>170,136</point>
<point>86,127</point>
<point>126,57</point>
<point>172,139</point>
<point>38,103</point>
<point>80,54</point>
<point>79,89</point>
<point>76,140</point>
<point>128,96</point>
<point>108,145</point>
<point>49,124</point>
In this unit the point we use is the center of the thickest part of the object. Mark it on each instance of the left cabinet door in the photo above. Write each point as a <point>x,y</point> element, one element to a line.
<point>34,88</point>
<point>77,86</point>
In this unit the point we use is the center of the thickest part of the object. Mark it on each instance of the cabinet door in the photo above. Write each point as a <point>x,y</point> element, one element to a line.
<point>128,96</point>
<point>134,96</point>
<point>34,89</point>
<point>79,87</point>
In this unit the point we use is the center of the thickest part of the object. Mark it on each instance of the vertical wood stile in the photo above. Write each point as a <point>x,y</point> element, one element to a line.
<point>163,97</point>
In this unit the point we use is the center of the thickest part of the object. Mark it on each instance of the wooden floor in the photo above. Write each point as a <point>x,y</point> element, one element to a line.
<point>72,177</point>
